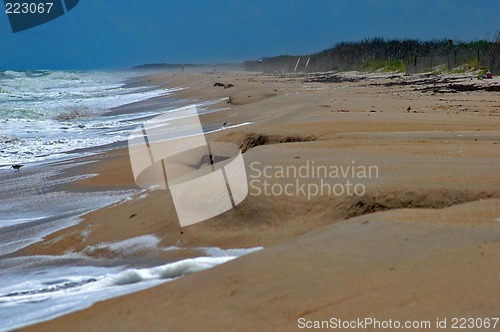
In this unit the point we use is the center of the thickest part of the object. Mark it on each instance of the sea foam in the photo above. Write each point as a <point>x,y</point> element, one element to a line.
<point>57,289</point>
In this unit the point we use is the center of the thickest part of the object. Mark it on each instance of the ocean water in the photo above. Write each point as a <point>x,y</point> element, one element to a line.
<point>45,287</point>
<point>44,114</point>
<point>48,118</point>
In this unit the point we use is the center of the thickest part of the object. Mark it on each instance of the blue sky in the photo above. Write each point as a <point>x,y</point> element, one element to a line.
<point>100,34</point>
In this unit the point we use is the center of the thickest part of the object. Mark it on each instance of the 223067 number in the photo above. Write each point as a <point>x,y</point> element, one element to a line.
<point>28,8</point>
<point>474,323</point>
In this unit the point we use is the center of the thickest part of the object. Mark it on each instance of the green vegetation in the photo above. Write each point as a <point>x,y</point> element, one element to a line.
<point>378,54</point>
<point>472,66</point>
<point>384,66</point>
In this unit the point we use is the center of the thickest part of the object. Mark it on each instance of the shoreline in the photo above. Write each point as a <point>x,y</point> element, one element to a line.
<point>440,155</point>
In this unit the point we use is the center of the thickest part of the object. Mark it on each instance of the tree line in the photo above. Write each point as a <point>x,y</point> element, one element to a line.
<point>408,55</point>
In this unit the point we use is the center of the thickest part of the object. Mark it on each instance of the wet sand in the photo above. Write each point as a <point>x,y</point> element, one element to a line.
<point>433,255</point>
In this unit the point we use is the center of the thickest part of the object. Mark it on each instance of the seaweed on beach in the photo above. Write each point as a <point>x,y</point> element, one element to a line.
<point>439,84</point>
<point>420,80</point>
<point>332,78</point>
<point>454,88</point>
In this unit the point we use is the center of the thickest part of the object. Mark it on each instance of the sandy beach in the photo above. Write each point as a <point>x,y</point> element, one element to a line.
<point>421,242</point>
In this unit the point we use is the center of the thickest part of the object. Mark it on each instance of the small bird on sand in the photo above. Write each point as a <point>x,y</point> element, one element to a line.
<point>224,124</point>
<point>409,108</point>
<point>17,167</point>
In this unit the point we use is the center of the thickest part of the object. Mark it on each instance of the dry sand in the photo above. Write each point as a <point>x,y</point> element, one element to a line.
<point>435,254</point>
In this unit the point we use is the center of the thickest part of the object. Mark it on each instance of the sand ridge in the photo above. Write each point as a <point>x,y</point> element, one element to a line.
<point>422,243</point>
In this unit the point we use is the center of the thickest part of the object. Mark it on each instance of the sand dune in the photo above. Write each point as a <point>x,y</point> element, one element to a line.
<point>421,243</point>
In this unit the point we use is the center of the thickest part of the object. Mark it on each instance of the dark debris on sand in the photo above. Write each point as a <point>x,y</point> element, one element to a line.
<point>430,83</point>
<point>454,88</point>
<point>331,78</point>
